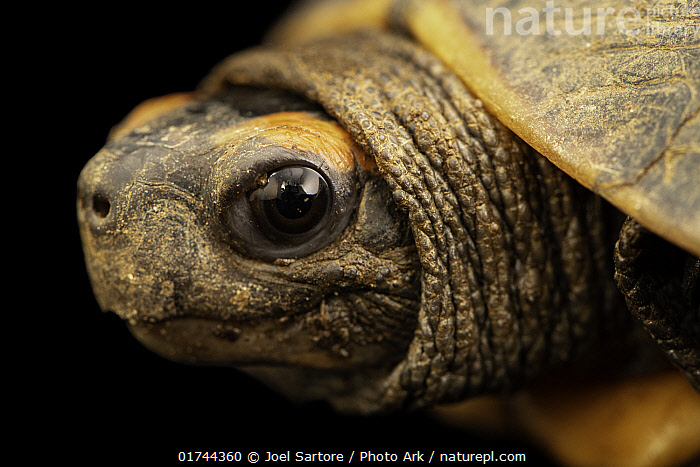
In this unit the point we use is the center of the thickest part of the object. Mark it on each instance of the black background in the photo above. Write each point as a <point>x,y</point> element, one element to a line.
<point>92,391</point>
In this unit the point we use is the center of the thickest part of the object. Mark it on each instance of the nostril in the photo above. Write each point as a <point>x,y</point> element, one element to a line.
<point>100,205</point>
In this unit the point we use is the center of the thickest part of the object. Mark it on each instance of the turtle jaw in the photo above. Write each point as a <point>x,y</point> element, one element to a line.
<point>270,342</point>
<point>276,352</point>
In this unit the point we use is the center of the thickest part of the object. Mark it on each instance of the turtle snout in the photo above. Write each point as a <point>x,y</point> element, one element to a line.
<point>141,236</point>
<point>102,180</point>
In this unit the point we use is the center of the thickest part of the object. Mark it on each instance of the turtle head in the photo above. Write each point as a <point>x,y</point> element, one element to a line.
<point>249,230</point>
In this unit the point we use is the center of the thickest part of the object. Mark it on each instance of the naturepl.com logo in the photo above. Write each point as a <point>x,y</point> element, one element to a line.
<point>661,19</point>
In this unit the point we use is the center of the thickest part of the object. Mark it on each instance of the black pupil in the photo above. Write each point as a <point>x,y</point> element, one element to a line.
<point>294,200</point>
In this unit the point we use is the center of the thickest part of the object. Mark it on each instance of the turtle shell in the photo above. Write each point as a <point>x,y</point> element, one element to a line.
<point>609,91</point>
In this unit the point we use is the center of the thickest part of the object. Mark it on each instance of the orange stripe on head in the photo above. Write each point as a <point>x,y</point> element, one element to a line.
<point>302,132</point>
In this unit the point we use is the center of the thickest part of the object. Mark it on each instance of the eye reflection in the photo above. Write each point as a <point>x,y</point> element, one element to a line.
<point>295,200</point>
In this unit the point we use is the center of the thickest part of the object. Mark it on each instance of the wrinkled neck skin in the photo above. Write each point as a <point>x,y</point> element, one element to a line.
<point>516,274</point>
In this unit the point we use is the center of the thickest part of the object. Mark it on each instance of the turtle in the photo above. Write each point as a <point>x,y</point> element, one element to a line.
<point>392,205</point>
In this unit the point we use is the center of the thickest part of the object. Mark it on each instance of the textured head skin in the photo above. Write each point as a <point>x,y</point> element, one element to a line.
<point>156,209</point>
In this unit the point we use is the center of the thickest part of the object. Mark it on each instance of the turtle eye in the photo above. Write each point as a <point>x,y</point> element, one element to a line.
<point>285,185</point>
<point>287,206</point>
<point>294,202</point>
